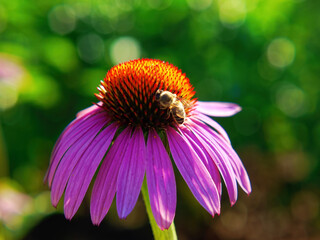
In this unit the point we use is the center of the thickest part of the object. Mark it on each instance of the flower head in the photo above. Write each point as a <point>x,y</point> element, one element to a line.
<point>146,115</point>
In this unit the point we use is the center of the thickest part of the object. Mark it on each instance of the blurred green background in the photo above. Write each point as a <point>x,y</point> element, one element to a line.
<point>261,54</point>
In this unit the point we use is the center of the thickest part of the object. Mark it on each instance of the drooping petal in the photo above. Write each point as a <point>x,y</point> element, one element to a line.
<point>161,182</point>
<point>239,170</point>
<point>105,185</point>
<point>131,174</point>
<point>81,119</point>
<point>218,109</point>
<point>213,124</point>
<point>194,172</point>
<point>73,132</point>
<point>229,153</point>
<point>70,159</point>
<point>204,157</point>
<point>85,169</point>
<point>216,155</point>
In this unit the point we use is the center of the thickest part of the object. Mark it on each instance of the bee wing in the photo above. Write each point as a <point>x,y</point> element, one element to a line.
<point>185,103</point>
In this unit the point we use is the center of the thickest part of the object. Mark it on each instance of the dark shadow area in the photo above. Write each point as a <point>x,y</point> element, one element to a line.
<point>57,227</point>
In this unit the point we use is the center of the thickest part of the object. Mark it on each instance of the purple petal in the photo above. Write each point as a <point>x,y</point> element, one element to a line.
<point>213,124</point>
<point>204,157</point>
<point>81,119</point>
<point>131,174</point>
<point>88,110</point>
<point>194,172</point>
<point>70,135</point>
<point>70,159</point>
<point>105,185</point>
<point>160,181</point>
<point>218,109</point>
<point>85,169</point>
<point>218,157</point>
<point>237,165</point>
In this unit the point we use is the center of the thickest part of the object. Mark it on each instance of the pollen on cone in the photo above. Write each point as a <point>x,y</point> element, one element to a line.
<point>128,92</point>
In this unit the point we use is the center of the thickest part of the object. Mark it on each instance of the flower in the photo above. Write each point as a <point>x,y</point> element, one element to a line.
<point>146,113</point>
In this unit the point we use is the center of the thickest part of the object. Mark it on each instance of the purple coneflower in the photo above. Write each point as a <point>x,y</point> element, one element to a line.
<point>146,116</point>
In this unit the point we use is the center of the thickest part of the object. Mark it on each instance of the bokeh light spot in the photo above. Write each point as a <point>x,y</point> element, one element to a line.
<point>8,95</point>
<point>123,5</point>
<point>14,204</point>
<point>12,79</point>
<point>291,100</point>
<point>199,4</point>
<point>91,48</point>
<point>62,19</point>
<point>42,203</point>
<point>232,13</point>
<point>124,49</point>
<point>11,70</point>
<point>281,52</point>
<point>82,9</point>
<point>60,53</point>
<point>42,91</point>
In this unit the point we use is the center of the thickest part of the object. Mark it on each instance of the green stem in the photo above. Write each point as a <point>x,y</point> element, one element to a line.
<point>158,234</point>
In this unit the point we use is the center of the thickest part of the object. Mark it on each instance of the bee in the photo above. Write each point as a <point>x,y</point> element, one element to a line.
<point>168,100</point>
